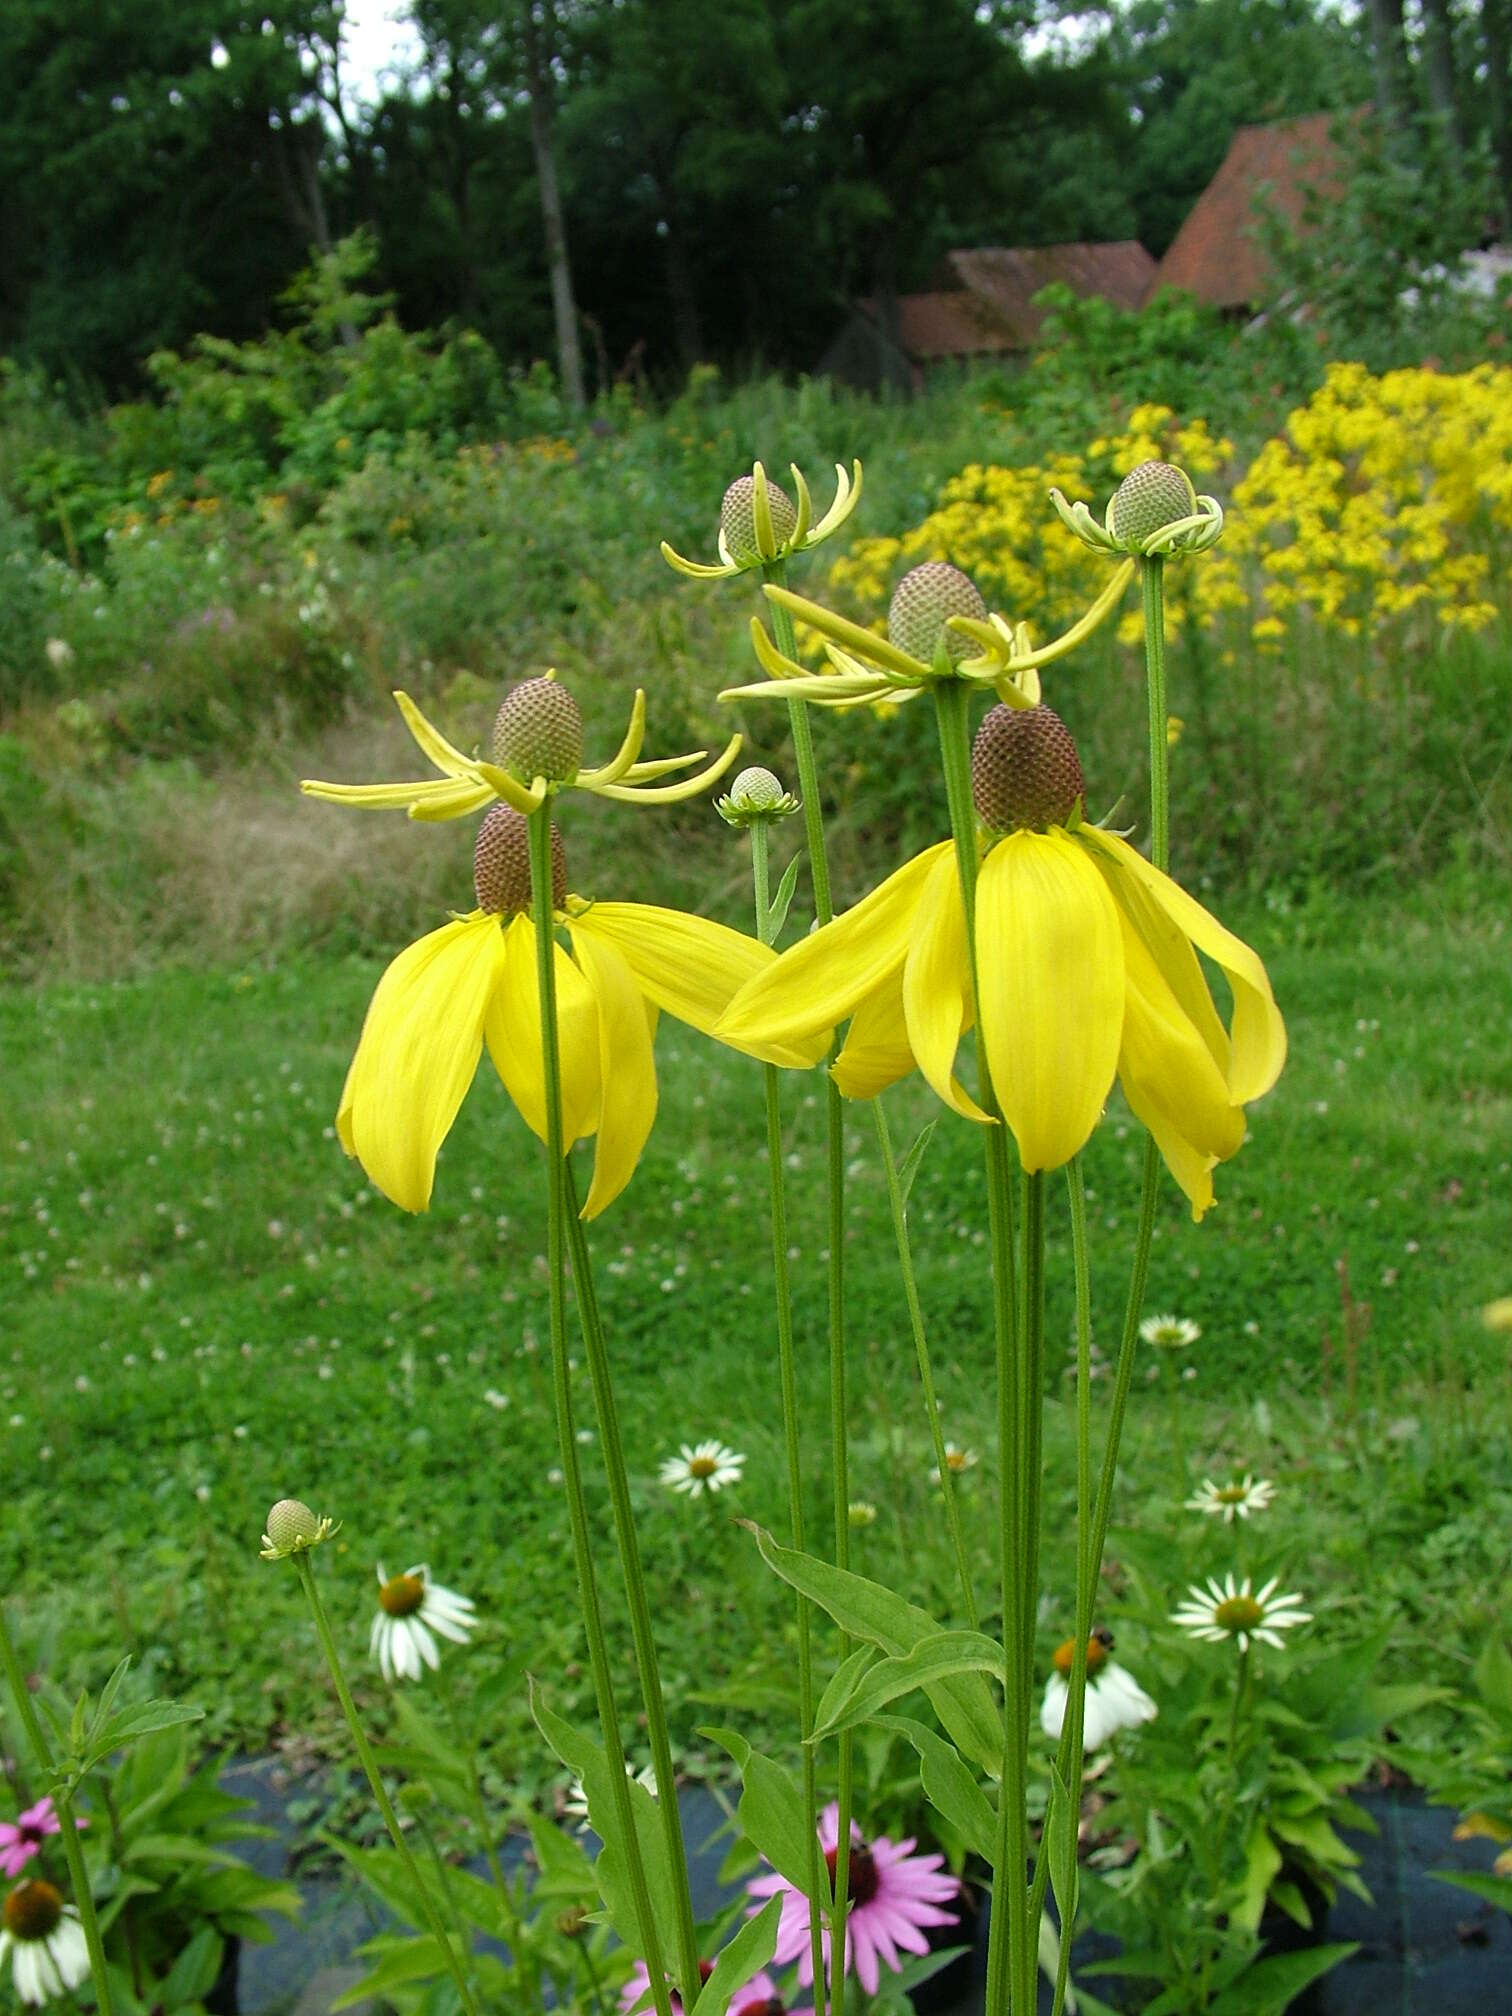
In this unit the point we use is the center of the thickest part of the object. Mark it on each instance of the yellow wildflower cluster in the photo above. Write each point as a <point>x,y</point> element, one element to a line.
<point>1383,502</point>
<point>993,522</point>
<point>1382,498</point>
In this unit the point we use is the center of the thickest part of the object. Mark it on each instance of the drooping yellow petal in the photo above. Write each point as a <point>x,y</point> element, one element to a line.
<point>876,1052</point>
<point>937,986</point>
<point>513,1033</point>
<point>694,968</point>
<point>627,1068</point>
<point>697,570</point>
<point>417,1055</point>
<point>383,797</point>
<point>826,976</point>
<point>1171,1078</point>
<point>1051,969</point>
<point>433,744</point>
<point>1258,1037</point>
<point>456,801</point>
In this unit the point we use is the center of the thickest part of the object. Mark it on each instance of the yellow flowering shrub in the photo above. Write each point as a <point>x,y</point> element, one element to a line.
<point>1383,506</point>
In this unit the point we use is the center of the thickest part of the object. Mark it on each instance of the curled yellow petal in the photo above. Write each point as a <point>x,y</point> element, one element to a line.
<point>433,744</point>
<point>669,794</point>
<point>1258,1035</point>
<point>524,798</point>
<point>876,1052</point>
<point>826,976</point>
<point>417,1055</point>
<point>455,801</point>
<point>805,510</point>
<point>513,1033</point>
<point>624,757</point>
<point>937,984</point>
<point>866,643</point>
<point>1051,971</point>
<point>697,570</point>
<point>847,497</point>
<point>627,1068</point>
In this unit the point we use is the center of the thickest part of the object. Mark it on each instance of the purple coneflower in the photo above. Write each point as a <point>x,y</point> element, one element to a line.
<point>22,1837</point>
<point>894,1895</point>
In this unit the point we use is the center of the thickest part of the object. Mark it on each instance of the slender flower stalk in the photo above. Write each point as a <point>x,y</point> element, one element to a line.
<point>73,1853</point>
<point>542,911</point>
<point>824,910</point>
<point>592,1327</point>
<point>1011,1958</point>
<point>427,1905</point>
<point>788,1379</point>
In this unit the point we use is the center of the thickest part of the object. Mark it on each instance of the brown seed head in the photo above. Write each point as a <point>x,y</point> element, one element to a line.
<point>737,518</point>
<point>501,863</point>
<point>1150,497</point>
<point>538,732</point>
<point>1024,769</point>
<point>32,1910</point>
<point>920,604</point>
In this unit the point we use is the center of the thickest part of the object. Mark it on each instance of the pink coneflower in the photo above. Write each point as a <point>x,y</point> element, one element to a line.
<point>22,1838</point>
<point>758,1997</point>
<point>893,1895</point>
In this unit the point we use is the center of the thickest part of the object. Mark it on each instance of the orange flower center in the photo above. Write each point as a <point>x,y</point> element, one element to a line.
<point>401,1595</point>
<point>702,1466</point>
<point>1065,1655</point>
<point>32,1910</point>
<point>1239,1613</point>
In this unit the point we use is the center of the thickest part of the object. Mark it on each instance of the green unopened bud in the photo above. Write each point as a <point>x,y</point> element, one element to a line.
<point>921,603</point>
<point>737,519</point>
<point>501,863</point>
<point>573,1922</point>
<point>293,1529</point>
<point>755,794</point>
<point>416,1795</point>
<point>538,732</point>
<point>1024,769</point>
<point>1152,496</point>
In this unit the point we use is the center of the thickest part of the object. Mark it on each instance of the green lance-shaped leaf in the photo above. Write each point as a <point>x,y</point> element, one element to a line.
<point>772,1814</point>
<point>1060,1845</point>
<point>865,1609</point>
<point>1271,1986</point>
<point>908,1168</point>
<point>944,1656</point>
<point>777,914</point>
<point>950,1786</point>
<point>747,1953</point>
<point>843,1683</point>
<point>581,1754</point>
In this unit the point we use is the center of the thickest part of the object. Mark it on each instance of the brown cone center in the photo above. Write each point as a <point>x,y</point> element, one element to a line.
<point>860,1872</point>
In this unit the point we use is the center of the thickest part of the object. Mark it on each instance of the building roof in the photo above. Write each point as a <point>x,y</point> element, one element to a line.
<point>983,302</point>
<point>1218,254</point>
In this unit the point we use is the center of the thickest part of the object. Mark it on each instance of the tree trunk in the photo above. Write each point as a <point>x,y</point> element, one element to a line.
<point>687,330</point>
<point>1438,53</point>
<point>563,306</point>
<point>1496,38</point>
<point>1389,51</point>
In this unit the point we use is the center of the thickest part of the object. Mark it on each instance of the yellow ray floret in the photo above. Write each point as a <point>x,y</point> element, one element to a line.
<point>1088,969</point>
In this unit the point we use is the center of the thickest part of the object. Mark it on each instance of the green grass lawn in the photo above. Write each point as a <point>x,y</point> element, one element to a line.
<point>207,1307</point>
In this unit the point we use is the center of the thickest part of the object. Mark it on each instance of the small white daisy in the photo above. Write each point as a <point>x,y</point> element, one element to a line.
<point>1227,1611</point>
<point>575,1803</point>
<point>707,1467</point>
<point>957,1461</point>
<point>1231,1501</point>
<point>45,1940</point>
<point>1170,1333</point>
<point>410,1608</point>
<point>1115,1700</point>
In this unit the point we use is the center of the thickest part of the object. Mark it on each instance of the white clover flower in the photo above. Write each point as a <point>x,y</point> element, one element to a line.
<point>1230,1611</point>
<point>410,1608</point>
<point>1231,1501</point>
<point>709,1466</point>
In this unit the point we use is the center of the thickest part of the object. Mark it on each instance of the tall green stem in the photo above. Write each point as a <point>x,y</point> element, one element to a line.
<point>543,916</point>
<point>591,1324</point>
<point>433,1921</point>
<point>1152,582</point>
<point>788,1379</point>
<point>824,910</point>
<point>921,1351</point>
<point>68,1832</point>
<point>1011,1959</point>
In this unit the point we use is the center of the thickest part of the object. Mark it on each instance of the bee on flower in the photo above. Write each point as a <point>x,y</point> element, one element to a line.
<point>1114,1698</point>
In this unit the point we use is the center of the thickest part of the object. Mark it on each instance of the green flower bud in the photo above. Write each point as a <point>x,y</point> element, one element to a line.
<point>1150,497</point>
<point>737,519</point>
<point>501,863</point>
<point>1024,769</point>
<point>538,732</point>
<point>920,604</point>
<point>293,1529</point>
<point>755,794</point>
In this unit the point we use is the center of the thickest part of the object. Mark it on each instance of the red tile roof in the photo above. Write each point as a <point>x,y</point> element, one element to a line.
<point>988,309</point>
<point>1218,254</point>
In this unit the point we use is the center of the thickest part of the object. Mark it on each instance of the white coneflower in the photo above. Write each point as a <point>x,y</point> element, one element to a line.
<point>1114,1700</point>
<point>707,1467</point>
<point>45,1940</point>
<point>957,1461</point>
<point>575,1803</point>
<point>410,1608</point>
<point>1227,1611</point>
<point>1170,1333</point>
<point>1231,1501</point>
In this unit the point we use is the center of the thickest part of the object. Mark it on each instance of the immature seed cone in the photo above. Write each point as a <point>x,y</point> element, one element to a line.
<point>1024,769</point>
<point>756,790</point>
<point>737,518</point>
<point>920,604</point>
<point>538,732</point>
<point>1152,496</point>
<point>291,1524</point>
<point>501,863</point>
